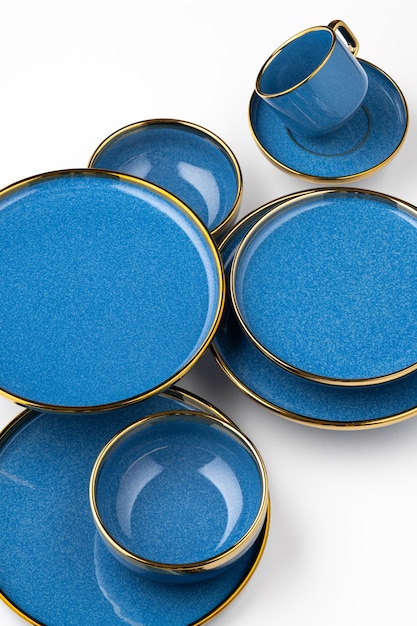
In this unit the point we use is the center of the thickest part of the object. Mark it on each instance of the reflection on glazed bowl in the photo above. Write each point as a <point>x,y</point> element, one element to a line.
<point>189,161</point>
<point>179,496</point>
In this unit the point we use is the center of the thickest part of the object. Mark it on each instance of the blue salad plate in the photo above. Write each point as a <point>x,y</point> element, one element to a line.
<point>111,289</point>
<point>290,395</point>
<point>55,567</point>
<point>186,159</point>
<point>325,284</point>
<point>369,140</point>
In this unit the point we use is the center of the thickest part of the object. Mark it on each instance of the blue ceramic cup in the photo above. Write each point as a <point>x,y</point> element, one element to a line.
<point>314,80</point>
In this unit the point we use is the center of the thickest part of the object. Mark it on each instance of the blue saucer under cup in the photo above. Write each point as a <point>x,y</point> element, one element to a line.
<point>188,160</point>
<point>314,81</point>
<point>367,142</point>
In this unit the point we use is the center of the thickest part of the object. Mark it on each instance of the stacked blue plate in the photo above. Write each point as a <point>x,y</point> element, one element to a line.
<point>319,323</point>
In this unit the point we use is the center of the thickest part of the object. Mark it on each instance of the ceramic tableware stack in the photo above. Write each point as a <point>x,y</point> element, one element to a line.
<point>320,331</point>
<point>359,119</point>
<point>57,568</point>
<point>117,277</point>
<point>190,161</point>
<point>319,323</point>
<point>116,291</point>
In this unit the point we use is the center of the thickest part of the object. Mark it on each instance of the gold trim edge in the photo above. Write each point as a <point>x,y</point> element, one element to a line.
<point>344,178</point>
<point>206,133</point>
<point>218,265</point>
<point>277,410</point>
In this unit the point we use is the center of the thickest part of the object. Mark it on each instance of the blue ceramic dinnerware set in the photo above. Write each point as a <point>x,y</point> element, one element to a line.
<point>123,497</point>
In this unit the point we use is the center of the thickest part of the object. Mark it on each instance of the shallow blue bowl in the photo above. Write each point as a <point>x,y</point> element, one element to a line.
<point>179,496</point>
<point>189,161</point>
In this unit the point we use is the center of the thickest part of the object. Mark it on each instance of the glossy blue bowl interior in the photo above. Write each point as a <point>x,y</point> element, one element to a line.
<point>182,158</point>
<point>178,489</point>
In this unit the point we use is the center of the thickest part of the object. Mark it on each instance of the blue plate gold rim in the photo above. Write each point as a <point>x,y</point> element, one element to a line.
<point>284,150</point>
<point>233,583</point>
<point>290,396</point>
<point>195,226</point>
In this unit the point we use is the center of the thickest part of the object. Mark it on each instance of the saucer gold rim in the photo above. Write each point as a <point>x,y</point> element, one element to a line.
<point>342,178</point>
<point>217,268</point>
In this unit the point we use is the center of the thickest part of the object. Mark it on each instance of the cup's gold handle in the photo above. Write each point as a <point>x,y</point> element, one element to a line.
<point>350,39</point>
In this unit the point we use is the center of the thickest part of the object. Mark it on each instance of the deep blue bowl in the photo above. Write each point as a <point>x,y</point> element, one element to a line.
<point>179,496</point>
<point>111,289</point>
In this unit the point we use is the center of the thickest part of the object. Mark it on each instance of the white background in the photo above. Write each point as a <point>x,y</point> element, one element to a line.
<point>342,548</point>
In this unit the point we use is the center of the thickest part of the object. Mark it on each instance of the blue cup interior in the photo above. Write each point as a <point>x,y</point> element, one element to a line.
<point>183,158</point>
<point>179,489</point>
<point>296,61</point>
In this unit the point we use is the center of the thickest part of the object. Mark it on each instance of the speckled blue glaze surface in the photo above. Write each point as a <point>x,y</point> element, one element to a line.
<point>178,489</point>
<point>314,82</point>
<point>292,396</point>
<point>110,289</point>
<point>55,568</point>
<point>183,158</point>
<point>367,141</point>
<point>326,285</point>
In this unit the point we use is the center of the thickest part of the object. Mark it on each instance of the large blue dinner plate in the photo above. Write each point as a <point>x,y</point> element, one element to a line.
<point>289,395</point>
<point>110,289</point>
<point>326,286</point>
<point>55,568</point>
<point>369,140</point>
